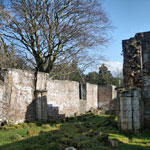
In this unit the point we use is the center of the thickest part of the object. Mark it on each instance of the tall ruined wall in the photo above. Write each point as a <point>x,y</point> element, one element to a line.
<point>132,66</point>
<point>146,76</point>
<point>20,90</point>
<point>136,70</point>
<point>17,102</point>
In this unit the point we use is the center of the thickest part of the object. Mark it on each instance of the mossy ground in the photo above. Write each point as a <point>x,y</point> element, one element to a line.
<point>86,132</point>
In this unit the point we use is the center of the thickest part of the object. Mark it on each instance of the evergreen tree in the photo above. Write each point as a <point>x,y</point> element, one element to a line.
<point>105,74</point>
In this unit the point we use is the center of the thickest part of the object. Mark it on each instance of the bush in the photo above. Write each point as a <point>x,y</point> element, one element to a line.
<point>32,125</point>
<point>15,126</point>
<point>7,128</point>
<point>33,133</point>
<point>45,126</point>
<point>17,137</point>
<point>24,125</point>
<point>57,125</point>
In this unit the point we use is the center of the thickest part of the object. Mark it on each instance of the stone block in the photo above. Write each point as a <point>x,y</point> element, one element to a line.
<point>136,125</point>
<point>136,116</point>
<point>135,108</point>
<point>126,119</point>
<point>125,101</point>
<point>130,126</point>
<point>146,92</point>
<point>126,126</point>
<point>135,101</point>
<point>136,93</point>
<point>125,107</point>
<point>126,114</point>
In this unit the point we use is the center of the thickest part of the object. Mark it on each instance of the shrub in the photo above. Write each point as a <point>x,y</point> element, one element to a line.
<point>33,133</point>
<point>16,137</point>
<point>57,125</point>
<point>15,126</point>
<point>7,128</point>
<point>32,125</point>
<point>45,126</point>
<point>24,125</point>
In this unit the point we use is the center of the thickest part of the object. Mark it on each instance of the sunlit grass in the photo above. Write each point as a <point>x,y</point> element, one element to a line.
<point>90,131</point>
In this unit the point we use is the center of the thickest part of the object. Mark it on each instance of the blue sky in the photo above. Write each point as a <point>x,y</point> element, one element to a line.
<point>128,17</point>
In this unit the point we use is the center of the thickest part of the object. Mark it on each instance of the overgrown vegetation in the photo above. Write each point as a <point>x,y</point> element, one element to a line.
<point>91,131</point>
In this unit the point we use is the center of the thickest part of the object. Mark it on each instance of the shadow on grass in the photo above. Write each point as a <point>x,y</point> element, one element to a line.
<point>86,132</point>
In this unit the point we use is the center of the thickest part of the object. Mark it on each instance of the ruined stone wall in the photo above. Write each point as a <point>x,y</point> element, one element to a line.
<point>146,77</point>
<point>53,98</point>
<point>136,69</point>
<point>63,98</point>
<point>92,96</point>
<point>21,102</point>
<point>17,95</point>
<point>106,95</point>
<point>4,95</point>
<point>132,66</point>
<point>17,101</point>
<point>3,102</point>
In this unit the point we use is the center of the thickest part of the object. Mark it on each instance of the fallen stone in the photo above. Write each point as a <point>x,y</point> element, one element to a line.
<point>70,148</point>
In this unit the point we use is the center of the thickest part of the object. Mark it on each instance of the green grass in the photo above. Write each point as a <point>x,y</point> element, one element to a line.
<point>86,132</point>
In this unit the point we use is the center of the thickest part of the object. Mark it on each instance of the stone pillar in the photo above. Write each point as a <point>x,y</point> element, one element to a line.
<point>44,105</point>
<point>125,111</point>
<point>130,110</point>
<point>38,105</point>
<point>41,105</point>
<point>136,109</point>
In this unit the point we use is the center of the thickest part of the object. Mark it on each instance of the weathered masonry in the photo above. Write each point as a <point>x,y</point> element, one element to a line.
<point>135,97</point>
<point>54,98</point>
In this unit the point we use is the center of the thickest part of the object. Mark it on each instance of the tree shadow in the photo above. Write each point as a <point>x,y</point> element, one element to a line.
<point>31,112</point>
<point>39,110</point>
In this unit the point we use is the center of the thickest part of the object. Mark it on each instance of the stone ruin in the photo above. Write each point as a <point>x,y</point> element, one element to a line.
<point>134,98</point>
<point>65,98</point>
<point>20,102</point>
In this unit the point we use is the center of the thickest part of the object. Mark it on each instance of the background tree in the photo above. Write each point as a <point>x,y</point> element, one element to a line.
<point>9,57</point>
<point>118,78</point>
<point>105,77</point>
<point>68,71</point>
<point>47,31</point>
<point>105,74</point>
<point>93,78</point>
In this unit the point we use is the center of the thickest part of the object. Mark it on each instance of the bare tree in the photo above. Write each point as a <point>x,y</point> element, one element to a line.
<point>50,30</point>
<point>9,57</point>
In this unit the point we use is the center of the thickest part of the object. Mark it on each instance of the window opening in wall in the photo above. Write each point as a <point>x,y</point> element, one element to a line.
<point>82,91</point>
